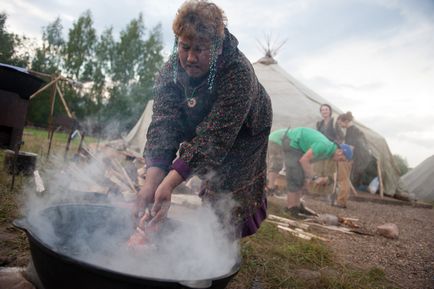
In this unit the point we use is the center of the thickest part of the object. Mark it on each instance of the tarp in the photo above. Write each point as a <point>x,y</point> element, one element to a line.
<point>419,182</point>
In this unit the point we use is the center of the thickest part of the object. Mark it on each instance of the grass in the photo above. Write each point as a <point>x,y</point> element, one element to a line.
<point>36,141</point>
<point>278,260</point>
<point>274,259</point>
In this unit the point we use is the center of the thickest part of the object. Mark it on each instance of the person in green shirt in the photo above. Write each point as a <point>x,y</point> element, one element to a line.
<point>301,147</point>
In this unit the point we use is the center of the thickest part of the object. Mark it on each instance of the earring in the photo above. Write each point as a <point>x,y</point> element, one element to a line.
<point>213,64</point>
<point>174,59</point>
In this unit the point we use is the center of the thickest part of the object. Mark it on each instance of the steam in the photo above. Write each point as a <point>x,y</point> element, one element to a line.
<point>193,245</point>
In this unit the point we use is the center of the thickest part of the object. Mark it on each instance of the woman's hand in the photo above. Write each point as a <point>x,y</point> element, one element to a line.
<point>162,200</point>
<point>163,196</point>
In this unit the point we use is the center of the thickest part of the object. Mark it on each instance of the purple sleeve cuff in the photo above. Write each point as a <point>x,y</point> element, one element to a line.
<point>158,162</point>
<point>182,168</point>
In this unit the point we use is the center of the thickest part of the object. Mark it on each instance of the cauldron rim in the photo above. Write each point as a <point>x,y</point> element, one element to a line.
<point>23,224</point>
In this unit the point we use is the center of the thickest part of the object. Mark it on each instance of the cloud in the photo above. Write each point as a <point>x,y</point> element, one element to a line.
<point>386,82</point>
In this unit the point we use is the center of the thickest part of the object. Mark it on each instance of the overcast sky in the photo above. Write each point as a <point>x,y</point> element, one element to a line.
<point>374,58</point>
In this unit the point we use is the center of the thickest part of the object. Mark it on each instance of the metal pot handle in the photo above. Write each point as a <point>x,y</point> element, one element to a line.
<point>21,224</point>
<point>197,283</point>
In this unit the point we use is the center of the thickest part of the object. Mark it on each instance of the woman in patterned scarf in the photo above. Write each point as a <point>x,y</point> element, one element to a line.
<point>211,118</point>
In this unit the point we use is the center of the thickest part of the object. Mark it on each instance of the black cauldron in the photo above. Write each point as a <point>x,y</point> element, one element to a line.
<point>58,270</point>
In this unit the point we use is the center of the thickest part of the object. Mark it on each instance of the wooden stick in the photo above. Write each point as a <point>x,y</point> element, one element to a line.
<point>285,225</point>
<point>333,228</point>
<point>380,178</point>
<point>68,112</point>
<point>37,73</point>
<point>45,87</point>
<point>302,234</point>
<point>352,187</point>
<point>41,74</point>
<point>288,221</point>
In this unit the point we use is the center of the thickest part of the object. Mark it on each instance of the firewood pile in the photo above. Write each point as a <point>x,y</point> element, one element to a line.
<point>307,229</point>
<point>98,170</point>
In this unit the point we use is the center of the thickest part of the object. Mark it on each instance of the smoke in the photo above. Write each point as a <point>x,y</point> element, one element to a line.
<point>193,244</point>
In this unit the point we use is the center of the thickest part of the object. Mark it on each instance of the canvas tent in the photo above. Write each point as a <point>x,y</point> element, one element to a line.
<point>136,138</point>
<point>418,183</point>
<point>294,105</point>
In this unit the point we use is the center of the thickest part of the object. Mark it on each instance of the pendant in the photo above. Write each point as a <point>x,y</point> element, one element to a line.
<point>191,102</point>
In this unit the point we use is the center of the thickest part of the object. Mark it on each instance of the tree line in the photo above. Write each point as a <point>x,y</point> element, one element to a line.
<point>115,74</point>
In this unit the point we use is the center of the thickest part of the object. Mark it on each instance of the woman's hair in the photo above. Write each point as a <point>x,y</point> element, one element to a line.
<point>348,116</point>
<point>199,19</point>
<point>327,105</point>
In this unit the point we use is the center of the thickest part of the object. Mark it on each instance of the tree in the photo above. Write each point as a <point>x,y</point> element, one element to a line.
<point>80,49</point>
<point>48,58</point>
<point>402,164</point>
<point>80,65</point>
<point>11,45</point>
<point>133,66</point>
<point>116,75</point>
<point>104,54</point>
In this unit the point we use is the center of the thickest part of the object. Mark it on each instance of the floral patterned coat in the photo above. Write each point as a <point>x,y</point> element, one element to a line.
<point>223,138</point>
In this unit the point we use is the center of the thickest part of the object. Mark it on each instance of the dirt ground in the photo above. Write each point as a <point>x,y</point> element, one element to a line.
<point>407,261</point>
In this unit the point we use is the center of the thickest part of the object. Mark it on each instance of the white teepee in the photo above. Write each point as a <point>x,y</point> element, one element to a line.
<point>295,105</point>
<point>419,182</point>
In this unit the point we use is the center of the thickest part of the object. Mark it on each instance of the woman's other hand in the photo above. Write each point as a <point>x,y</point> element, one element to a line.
<point>146,195</point>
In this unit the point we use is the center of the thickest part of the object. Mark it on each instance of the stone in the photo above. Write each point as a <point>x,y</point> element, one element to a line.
<point>388,230</point>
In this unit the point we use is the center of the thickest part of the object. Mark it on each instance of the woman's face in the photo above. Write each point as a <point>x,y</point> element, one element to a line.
<point>194,56</point>
<point>325,111</point>
<point>343,123</point>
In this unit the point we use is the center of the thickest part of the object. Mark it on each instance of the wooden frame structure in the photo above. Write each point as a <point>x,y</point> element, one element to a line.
<point>68,122</point>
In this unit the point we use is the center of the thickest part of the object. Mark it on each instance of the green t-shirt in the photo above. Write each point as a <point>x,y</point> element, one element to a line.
<point>276,136</point>
<point>303,139</point>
